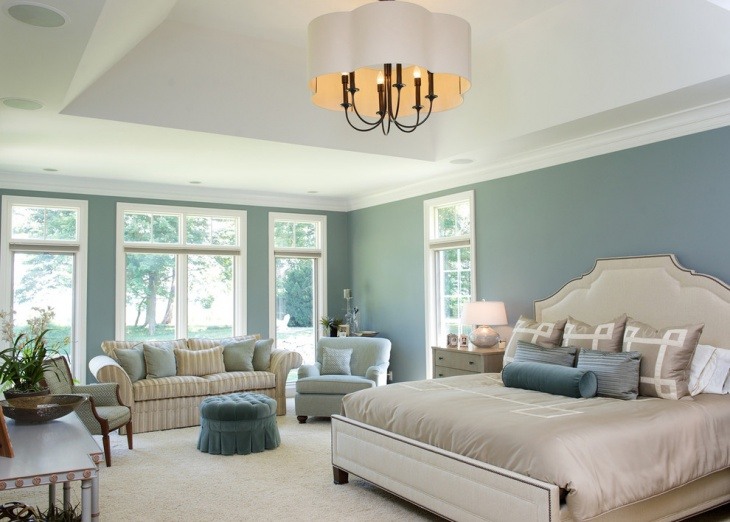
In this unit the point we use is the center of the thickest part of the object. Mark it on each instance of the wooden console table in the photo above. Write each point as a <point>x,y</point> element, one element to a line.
<point>59,451</point>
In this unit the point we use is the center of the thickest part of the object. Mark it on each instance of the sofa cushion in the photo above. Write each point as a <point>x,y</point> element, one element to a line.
<point>160,362</point>
<point>110,347</point>
<point>204,343</point>
<point>200,362</point>
<point>238,381</point>
<point>333,384</point>
<point>262,354</point>
<point>238,355</point>
<point>170,387</point>
<point>132,362</point>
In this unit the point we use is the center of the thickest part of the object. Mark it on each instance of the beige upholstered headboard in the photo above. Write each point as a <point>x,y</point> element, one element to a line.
<point>656,290</point>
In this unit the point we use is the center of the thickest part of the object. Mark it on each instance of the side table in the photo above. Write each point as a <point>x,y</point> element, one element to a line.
<point>448,362</point>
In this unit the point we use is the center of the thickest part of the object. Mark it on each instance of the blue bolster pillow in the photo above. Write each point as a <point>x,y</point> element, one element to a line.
<point>550,378</point>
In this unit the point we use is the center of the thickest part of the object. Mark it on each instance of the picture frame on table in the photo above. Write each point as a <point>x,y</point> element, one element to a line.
<point>452,340</point>
<point>343,330</point>
<point>463,341</point>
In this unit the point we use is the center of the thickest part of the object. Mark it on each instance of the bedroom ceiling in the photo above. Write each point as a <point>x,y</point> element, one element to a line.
<point>143,97</point>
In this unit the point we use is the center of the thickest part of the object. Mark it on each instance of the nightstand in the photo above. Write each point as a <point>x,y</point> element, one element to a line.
<point>448,362</point>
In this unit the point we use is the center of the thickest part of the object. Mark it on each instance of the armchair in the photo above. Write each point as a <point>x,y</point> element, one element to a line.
<point>102,413</point>
<point>343,365</point>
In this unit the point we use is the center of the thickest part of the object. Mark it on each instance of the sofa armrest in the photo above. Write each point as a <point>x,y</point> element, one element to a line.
<point>106,369</point>
<point>309,370</point>
<point>282,361</point>
<point>103,393</point>
<point>378,373</point>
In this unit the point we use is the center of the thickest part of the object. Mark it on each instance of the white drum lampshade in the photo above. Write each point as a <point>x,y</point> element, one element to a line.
<point>483,315</point>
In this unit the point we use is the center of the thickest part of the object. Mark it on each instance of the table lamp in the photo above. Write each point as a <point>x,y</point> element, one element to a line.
<point>483,315</point>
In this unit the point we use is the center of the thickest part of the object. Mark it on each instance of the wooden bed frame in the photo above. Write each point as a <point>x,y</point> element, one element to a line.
<point>654,289</point>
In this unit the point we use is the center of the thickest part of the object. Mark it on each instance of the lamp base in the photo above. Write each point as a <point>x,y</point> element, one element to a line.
<point>484,337</point>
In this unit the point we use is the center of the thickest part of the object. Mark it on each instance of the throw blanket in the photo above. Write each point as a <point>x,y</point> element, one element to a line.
<point>605,453</point>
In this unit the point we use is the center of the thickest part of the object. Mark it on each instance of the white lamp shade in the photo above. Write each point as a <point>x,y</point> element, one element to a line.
<point>490,313</point>
<point>364,39</point>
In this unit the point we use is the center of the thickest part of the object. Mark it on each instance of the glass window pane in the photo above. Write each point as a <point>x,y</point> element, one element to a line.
<point>283,234</point>
<point>150,296</point>
<point>210,296</point>
<point>296,322</point>
<point>198,230</point>
<point>61,224</point>
<point>42,280</point>
<point>165,229</point>
<point>453,220</point>
<point>137,228</point>
<point>42,223</point>
<point>306,235</point>
<point>28,222</point>
<point>224,231</point>
<point>454,290</point>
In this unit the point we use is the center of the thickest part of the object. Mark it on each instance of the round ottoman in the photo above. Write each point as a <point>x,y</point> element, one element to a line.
<point>238,423</point>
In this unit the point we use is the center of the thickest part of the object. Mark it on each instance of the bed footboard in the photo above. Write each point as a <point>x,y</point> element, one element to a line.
<point>448,484</point>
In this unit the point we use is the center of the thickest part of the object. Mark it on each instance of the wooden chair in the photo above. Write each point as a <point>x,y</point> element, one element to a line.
<point>102,413</point>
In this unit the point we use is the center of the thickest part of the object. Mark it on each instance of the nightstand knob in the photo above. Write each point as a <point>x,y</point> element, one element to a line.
<point>441,374</point>
<point>471,362</point>
<point>441,358</point>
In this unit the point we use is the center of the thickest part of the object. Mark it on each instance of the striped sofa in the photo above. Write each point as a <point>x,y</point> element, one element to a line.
<point>172,402</point>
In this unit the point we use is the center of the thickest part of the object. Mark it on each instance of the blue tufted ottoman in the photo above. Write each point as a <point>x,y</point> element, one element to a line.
<point>238,423</point>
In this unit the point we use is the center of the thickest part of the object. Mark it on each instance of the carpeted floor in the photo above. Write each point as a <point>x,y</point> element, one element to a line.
<point>165,478</point>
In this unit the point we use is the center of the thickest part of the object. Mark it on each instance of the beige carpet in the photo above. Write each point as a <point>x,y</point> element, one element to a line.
<point>165,478</point>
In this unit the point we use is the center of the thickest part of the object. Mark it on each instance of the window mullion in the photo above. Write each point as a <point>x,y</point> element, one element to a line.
<point>181,297</point>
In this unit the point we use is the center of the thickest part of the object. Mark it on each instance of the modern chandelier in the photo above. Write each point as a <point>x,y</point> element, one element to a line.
<point>389,63</point>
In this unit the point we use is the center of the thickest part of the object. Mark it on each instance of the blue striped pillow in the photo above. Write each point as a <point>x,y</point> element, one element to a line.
<point>617,373</point>
<point>560,355</point>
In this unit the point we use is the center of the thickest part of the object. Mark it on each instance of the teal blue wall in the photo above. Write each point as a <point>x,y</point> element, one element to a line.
<point>537,230</point>
<point>102,249</point>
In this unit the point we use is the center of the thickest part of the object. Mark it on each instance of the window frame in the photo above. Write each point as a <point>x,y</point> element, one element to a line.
<point>320,254</point>
<point>432,246</point>
<point>182,250</point>
<point>78,247</point>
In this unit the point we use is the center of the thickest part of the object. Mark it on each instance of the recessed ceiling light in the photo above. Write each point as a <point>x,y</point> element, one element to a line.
<point>22,103</point>
<point>51,170</point>
<point>195,182</point>
<point>461,161</point>
<point>36,14</point>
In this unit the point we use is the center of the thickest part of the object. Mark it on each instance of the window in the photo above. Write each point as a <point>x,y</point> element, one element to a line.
<point>44,245</point>
<point>297,281</point>
<point>180,272</point>
<point>449,265</point>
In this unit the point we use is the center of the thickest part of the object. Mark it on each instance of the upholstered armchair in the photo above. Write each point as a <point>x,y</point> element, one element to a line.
<point>102,413</point>
<point>343,365</point>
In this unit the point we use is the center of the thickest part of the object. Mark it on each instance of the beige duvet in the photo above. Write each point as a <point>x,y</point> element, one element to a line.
<point>605,453</point>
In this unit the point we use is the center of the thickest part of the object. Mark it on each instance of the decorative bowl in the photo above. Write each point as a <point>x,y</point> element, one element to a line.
<point>43,408</point>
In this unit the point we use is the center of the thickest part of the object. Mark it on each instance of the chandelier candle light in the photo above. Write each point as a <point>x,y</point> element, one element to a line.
<point>373,63</point>
<point>481,314</point>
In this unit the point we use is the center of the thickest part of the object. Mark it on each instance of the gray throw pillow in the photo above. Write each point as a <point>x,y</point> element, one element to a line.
<point>262,355</point>
<point>132,362</point>
<point>561,355</point>
<point>238,355</point>
<point>617,373</point>
<point>160,362</point>
<point>336,361</point>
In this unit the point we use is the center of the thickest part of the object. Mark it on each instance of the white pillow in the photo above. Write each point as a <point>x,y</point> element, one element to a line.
<point>710,370</point>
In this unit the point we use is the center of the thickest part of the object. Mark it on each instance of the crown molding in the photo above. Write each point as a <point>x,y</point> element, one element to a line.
<point>154,191</point>
<point>684,123</point>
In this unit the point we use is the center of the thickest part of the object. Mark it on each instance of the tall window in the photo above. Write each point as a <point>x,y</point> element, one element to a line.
<point>297,284</point>
<point>180,272</point>
<point>44,264</point>
<point>449,260</point>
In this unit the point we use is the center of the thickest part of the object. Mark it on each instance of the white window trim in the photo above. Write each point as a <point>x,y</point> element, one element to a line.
<point>239,283</point>
<point>320,275</point>
<point>431,245</point>
<point>79,248</point>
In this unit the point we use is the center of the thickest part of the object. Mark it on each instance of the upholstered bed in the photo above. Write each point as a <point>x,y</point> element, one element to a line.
<point>470,448</point>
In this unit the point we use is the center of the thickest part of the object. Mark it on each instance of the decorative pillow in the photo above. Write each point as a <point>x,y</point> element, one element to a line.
<point>132,362</point>
<point>200,362</point>
<point>710,370</point>
<point>543,334</point>
<point>617,373</point>
<point>666,355</point>
<point>606,337</point>
<point>336,361</point>
<point>550,378</point>
<point>262,355</point>
<point>160,362</point>
<point>560,355</point>
<point>238,356</point>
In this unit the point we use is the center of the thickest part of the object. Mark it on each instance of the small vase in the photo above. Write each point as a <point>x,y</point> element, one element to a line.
<point>12,393</point>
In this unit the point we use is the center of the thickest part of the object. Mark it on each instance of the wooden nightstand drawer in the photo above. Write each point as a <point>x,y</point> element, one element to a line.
<point>443,371</point>
<point>471,362</point>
